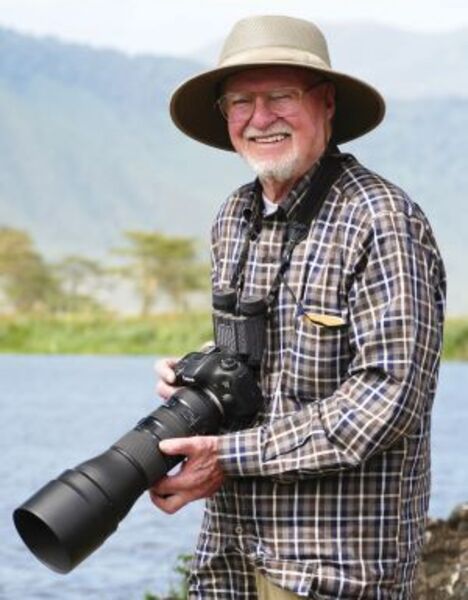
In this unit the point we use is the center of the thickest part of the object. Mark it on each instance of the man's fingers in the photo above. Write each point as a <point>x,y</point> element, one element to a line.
<point>177,484</point>
<point>166,486</point>
<point>165,368</point>
<point>168,504</point>
<point>165,391</point>
<point>178,446</point>
<point>199,477</point>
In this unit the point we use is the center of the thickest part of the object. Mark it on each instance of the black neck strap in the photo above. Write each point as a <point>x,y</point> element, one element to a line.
<point>299,221</point>
<point>254,227</point>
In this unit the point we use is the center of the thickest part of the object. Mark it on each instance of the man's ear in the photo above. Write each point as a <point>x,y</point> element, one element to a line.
<point>329,98</point>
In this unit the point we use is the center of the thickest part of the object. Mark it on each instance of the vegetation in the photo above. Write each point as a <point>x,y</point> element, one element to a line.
<point>157,265</point>
<point>157,262</point>
<point>80,278</point>
<point>25,279</point>
<point>54,308</point>
<point>168,333</point>
<point>179,592</point>
<point>456,339</point>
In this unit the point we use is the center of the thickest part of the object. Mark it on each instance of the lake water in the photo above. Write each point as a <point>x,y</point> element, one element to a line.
<point>59,411</point>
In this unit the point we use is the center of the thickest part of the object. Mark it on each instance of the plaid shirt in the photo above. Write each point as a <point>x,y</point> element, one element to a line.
<point>328,492</point>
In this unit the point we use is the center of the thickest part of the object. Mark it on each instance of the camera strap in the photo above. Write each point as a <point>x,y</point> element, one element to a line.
<point>255,225</point>
<point>299,222</point>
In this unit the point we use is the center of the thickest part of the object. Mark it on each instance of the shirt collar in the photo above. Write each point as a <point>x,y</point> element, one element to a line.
<point>297,192</point>
<point>254,200</point>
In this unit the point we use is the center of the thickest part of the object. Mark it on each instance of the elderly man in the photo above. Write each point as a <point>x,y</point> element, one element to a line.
<point>326,495</point>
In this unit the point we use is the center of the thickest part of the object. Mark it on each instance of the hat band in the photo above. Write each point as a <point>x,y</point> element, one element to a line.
<point>274,54</point>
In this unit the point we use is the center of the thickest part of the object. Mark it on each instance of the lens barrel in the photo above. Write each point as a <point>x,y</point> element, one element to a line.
<point>71,516</point>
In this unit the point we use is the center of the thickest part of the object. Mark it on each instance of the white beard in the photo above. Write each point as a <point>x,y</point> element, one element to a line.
<point>282,169</point>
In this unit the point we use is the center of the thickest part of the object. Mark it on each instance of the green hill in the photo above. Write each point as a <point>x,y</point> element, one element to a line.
<point>87,150</point>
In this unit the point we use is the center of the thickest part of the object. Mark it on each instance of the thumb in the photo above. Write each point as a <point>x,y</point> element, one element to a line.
<point>175,446</point>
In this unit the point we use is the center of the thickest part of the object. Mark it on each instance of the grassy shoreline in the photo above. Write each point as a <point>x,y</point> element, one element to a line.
<point>168,334</point>
<point>164,334</point>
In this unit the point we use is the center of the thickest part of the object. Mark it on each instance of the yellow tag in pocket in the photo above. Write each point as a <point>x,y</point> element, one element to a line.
<point>326,320</point>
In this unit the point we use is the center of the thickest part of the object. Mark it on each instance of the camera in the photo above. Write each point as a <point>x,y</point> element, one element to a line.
<point>71,516</point>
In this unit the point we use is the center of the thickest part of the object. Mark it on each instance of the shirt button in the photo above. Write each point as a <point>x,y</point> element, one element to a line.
<point>238,530</point>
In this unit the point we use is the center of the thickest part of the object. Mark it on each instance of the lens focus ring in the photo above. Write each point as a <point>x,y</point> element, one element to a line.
<point>140,447</point>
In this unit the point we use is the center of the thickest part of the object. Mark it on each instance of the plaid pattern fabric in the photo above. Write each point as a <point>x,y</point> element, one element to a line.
<point>327,493</point>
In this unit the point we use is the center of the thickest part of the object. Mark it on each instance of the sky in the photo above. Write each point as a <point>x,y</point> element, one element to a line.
<point>179,27</point>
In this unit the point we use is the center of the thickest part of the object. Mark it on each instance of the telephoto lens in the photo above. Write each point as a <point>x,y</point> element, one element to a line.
<point>71,516</point>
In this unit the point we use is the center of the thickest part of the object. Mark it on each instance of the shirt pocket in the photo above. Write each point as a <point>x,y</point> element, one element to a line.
<point>318,356</point>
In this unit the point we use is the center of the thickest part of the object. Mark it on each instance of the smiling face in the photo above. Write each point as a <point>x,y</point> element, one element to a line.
<point>282,148</point>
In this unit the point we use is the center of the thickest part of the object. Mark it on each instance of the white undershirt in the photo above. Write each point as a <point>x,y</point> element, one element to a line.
<point>269,207</point>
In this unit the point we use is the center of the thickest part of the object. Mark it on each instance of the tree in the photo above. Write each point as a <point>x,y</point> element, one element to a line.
<point>159,263</point>
<point>80,280</point>
<point>26,281</point>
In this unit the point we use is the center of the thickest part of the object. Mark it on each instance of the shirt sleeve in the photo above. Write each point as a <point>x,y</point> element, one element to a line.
<point>395,302</point>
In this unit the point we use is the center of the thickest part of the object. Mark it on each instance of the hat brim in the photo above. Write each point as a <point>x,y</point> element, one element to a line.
<point>359,106</point>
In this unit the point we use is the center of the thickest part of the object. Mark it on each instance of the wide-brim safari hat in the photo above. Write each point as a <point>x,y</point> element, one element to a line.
<point>272,41</point>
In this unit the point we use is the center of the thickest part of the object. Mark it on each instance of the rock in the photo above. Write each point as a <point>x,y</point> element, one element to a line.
<point>443,573</point>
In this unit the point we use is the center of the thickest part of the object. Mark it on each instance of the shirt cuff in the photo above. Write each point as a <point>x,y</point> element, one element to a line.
<point>240,453</point>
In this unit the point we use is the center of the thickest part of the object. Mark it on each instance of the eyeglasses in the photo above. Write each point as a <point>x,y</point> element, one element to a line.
<point>283,102</point>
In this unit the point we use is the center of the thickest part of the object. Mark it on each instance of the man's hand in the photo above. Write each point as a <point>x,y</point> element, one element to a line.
<point>165,370</point>
<point>199,477</point>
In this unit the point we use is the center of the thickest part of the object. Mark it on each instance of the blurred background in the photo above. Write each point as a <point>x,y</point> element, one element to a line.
<point>89,152</point>
<point>105,211</point>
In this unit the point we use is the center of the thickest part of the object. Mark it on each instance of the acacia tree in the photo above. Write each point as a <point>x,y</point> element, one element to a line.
<point>26,281</point>
<point>158,263</point>
<point>80,280</point>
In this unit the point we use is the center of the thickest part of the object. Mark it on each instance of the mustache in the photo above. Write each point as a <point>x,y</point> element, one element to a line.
<point>273,129</point>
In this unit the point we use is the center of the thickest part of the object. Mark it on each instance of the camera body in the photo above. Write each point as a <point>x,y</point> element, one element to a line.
<point>226,379</point>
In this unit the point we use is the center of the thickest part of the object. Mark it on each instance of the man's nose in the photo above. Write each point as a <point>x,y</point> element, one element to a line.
<point>262,115</point>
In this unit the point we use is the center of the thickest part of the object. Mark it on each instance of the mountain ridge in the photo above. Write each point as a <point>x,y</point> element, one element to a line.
<point>88,150</point>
